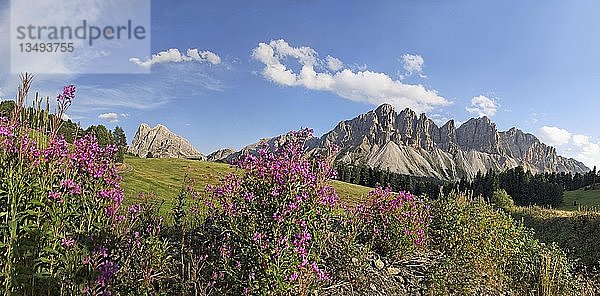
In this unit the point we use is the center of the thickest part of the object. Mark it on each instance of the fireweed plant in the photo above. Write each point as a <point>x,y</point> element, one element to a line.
<point>392,224</point>
<point>58,202</point>
<point>270,225</point>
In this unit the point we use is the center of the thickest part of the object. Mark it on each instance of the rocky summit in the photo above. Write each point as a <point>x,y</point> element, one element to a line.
<point>160,142</point>
<point>413,144</point>
<point>220,154</point>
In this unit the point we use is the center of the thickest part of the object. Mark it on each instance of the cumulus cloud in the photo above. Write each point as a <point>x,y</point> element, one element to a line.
<point>66,117</point>
<point>412,64</point>
<point>361,86</point>
<point>587,148</point>
<point>173,55</point>
<point>554,136</point>
<point>483,106</point>
<point>110,117</point>
<point>334,64</point>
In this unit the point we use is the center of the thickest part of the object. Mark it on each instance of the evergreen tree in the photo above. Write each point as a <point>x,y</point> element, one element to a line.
<point>121,142</point>
<point>119,137</point>
<point>103,135</point>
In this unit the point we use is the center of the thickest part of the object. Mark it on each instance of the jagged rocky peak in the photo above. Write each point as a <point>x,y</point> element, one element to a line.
<point>479,134</point>
<point>386,115</point>
<point>447,139</point>
<point>160,142</point>
<point>413,144</point>
<point>271,143</point>
<point>220,155</point>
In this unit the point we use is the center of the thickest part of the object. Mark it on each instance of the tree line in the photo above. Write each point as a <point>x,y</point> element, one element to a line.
<point>523,186</point>
<point>366,176</point>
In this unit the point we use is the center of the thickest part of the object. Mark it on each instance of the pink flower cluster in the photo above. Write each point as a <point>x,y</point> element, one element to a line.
<point>67,95</point>
<point>6,129</point>
<point>67,242</point>
<point>393,220</point>
<point>286,197</point>
<point>74,184</point>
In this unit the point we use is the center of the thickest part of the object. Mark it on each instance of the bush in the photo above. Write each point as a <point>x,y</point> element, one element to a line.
<point>269,227</point>
<point>145,264</point>
<point>63,230</point>
<point>502,200</point>
<point>392,223</point>
<point>576,233</point>
<point>57,203</point>
<point>486,252</point>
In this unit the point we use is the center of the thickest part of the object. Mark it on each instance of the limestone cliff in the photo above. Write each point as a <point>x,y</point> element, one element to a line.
<point>160,142</point>
<point>413,144</point>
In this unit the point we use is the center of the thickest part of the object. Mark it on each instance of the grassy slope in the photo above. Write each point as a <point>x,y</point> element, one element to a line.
<point>164,177</point>
<point>584,198</point>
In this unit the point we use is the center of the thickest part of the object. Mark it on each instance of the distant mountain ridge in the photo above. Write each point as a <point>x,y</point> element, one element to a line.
<point>160,142</point>
<point>412,144</point>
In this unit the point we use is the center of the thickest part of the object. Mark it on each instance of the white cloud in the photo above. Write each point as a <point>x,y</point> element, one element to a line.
<point>586,147</point>
<point>105,56</point>
<point>110,117</point>
<point>440,119</point>
<point>554,136</point>
<point>334,64</point>
<point>209,56</point>
<point>362,86</point>
<point>173,55</point>
<point>413,63</point>
<point>586,150</point>
<point>483,106</point>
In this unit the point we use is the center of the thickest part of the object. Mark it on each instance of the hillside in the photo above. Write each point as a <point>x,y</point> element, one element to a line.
<point>163,177</point>
<point>573,200</point>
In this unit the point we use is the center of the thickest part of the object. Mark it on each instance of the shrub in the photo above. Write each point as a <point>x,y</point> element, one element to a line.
<point>502,200</point>
<point>269,227</point>
<point>392,223</point>
<point>486,252</point>
<point>63,229</point>
<point>144,263</point>
<point>577,233</point>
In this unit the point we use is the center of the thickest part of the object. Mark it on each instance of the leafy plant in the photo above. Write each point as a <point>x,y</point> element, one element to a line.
<point>392,223</point>
<point>486,252</point>
<point>502,200</point>
<point>269,227</point>
<point>57,204</point>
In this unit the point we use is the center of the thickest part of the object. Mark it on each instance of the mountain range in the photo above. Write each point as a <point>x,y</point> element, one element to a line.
<point>412,144</point>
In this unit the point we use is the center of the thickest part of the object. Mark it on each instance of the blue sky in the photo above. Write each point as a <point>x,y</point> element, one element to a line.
<point>530,64</point>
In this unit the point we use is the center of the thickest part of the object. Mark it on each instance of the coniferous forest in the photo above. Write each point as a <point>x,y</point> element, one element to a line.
<point>523,186</point>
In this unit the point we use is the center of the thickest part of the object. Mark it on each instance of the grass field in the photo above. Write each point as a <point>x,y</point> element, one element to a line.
<point>576,199</point>
<point>164,177</point>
